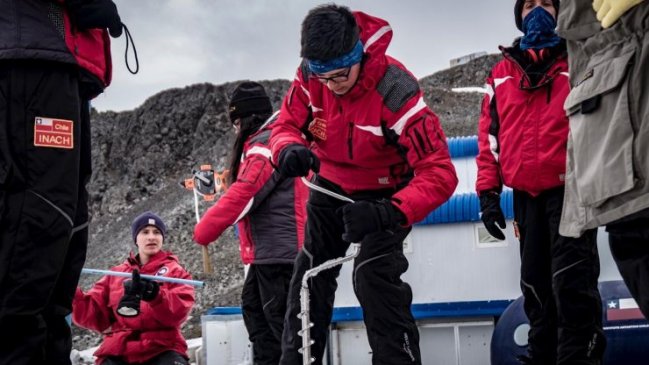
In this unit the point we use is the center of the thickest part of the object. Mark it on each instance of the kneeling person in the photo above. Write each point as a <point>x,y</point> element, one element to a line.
<point>140,318</point>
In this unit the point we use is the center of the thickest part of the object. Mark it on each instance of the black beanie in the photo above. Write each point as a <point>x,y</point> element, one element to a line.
<point>249,98</point>
<point>518,12</point>
<point>147,219</point>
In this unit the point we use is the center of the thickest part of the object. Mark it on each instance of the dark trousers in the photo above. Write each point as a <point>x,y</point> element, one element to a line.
<point>559,283</point>
<point>263,303</point>
<point>385,299</point>
<point>165,358</point>
<point>43,211</point>
<point>629,242</point>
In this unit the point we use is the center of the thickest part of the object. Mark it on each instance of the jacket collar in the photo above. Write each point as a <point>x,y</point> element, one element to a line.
<point>134,259</point>
<point>515,53</point>
<point>535,75</point>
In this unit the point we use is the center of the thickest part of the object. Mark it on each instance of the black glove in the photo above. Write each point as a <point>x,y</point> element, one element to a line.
<point>297,160</point>
<point>129,305</point>
<point>365,217</point>
<point>492,214</point>
<point>90,14</point>
<point>150,290</point>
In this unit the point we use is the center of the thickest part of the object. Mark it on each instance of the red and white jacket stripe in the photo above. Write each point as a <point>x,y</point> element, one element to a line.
<point>523,130</point>
<point>270,210</point>
<point>155,330</point>
<point>350,131</point>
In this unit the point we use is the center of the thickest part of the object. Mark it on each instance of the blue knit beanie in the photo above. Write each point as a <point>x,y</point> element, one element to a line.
<point>147,219</point>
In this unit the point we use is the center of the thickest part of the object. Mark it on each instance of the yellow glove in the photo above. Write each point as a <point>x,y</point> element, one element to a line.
<point>609,11</point>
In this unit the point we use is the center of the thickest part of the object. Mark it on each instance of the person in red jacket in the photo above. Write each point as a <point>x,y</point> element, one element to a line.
<point>522,137</point>
<point>270,211</point>
<point>54,58</point>
<point>357,117</point>
<point>140,319</point>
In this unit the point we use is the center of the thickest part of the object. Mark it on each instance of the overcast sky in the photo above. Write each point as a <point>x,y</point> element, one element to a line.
<point>183,42</point>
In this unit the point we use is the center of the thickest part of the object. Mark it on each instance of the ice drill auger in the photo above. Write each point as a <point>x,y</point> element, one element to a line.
<point>304,314</point>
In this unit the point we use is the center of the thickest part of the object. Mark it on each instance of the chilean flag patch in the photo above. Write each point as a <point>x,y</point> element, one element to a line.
<point>623,309</point>
<point>54,133</point>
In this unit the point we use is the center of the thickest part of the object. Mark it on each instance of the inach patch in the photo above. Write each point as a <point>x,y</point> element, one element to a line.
<point>163,270</point>
<point>54,133</point>
<point>318,128</point>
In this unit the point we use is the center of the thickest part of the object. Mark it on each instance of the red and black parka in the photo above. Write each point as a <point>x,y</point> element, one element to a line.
<point>380,135</point>
<point>269,209</point>
<point>155,330</point>
<point>523,129</point>
<point>43,30</point>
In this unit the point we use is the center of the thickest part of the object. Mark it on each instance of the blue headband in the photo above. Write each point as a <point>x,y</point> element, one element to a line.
<point>347,60</point>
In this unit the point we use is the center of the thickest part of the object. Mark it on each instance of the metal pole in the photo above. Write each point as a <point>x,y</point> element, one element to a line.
<point>148,277</point>
<point>198,215</point>
<point>207,265</point>
<point>322,190</point>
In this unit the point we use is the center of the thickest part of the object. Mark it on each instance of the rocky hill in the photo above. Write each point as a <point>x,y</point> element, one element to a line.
<point>140,156</point>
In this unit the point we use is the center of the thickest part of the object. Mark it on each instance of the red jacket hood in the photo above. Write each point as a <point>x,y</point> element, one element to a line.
<point>375,34</point>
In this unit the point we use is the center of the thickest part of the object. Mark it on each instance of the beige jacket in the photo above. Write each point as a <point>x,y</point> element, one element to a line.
<point>608,107</point>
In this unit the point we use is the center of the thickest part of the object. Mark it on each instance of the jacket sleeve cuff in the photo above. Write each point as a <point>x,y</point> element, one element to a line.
<point>204,234</point>
<point>489,191</point>
<point>405,211</point>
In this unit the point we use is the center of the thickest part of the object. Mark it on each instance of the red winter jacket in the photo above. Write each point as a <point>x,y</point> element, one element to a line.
<point>270,210</point>
<point>155,330</point>
<point>42,30</point>
<point>375,136</point>
<point>523,131</point>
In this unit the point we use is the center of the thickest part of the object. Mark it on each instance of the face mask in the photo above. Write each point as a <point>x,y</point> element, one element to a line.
<point>538,27</point>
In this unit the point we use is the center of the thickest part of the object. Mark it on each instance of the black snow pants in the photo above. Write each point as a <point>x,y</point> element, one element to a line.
<point>44,167</point>
<point>559,283</point>
<point>384,297</point>
<point>263,303</point>
<point>629,242</point>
